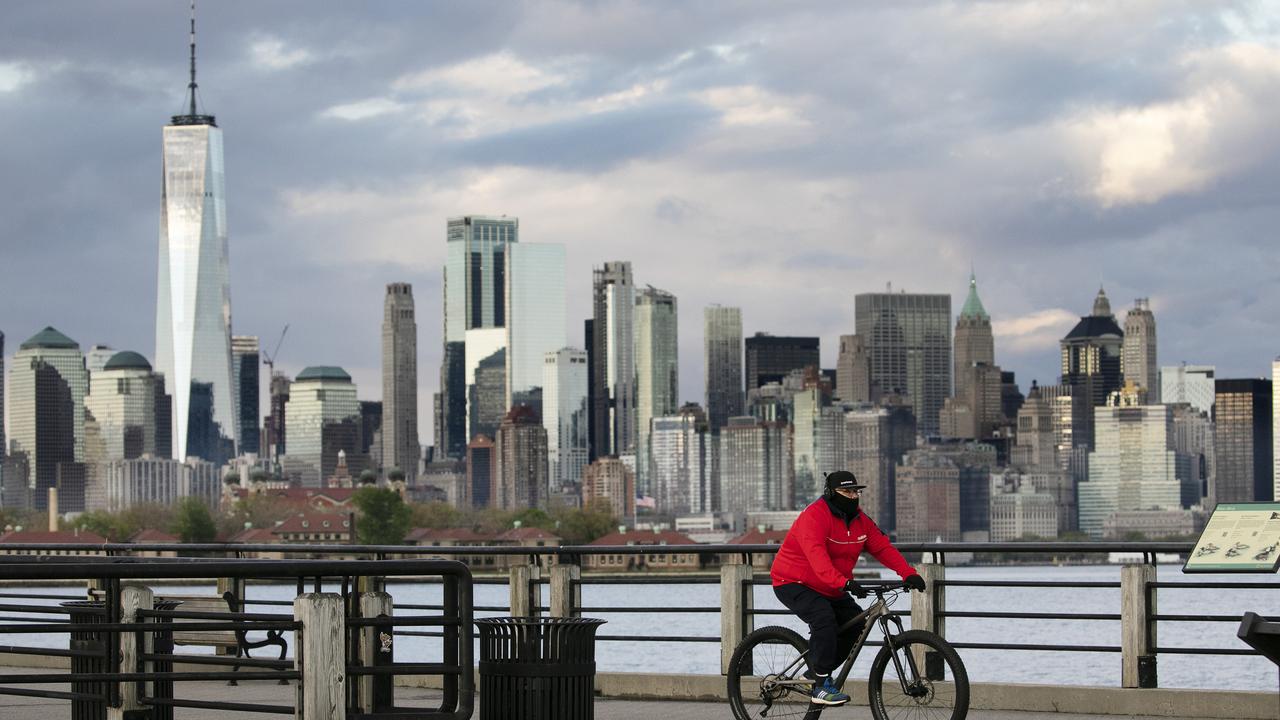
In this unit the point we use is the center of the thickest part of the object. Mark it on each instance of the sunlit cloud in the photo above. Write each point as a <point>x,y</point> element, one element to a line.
<point>270,52</point>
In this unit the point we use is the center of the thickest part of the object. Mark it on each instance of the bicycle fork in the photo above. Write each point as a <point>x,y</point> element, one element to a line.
<point>910,682</point>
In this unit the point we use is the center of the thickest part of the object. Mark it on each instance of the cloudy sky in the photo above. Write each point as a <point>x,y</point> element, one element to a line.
<point>781,157</point>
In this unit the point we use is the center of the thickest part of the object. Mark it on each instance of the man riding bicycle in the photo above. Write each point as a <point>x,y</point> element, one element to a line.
<point>813,575</point>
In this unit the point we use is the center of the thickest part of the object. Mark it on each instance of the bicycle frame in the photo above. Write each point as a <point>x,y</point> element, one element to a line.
<point>879,614</point>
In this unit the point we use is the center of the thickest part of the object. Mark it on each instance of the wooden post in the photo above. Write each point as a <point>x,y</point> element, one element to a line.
<point>1137,629</point>
<point>132,599</point>
<point>927,607</point>
<point>523,589</point>
<point>320,657</point>
<point>736,598</point>
<point>373,645</point>
<point>566,590</point>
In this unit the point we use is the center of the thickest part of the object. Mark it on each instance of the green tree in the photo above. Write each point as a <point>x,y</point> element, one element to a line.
<point>579,527</point>
<point>259,511</point>
<point>193,522</point>
<point>383,519</point>
<point>435,515</point>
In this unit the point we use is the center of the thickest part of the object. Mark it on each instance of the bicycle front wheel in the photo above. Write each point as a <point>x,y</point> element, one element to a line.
<point>921,676</point>
<point>766,676</point>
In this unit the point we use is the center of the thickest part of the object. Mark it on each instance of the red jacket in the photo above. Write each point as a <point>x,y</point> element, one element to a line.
<point>820,550</point>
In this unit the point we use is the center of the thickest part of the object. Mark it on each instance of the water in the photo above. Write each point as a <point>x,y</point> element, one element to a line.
<point>1064,668</point>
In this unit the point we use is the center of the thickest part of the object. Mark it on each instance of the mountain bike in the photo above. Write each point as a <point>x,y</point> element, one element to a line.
<point>916,674</point>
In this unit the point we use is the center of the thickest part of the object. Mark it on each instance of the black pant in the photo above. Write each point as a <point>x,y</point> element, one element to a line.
<point>824,615</point>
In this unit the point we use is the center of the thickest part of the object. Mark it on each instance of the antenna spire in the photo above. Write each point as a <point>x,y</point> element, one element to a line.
<point>193,116</point>
<point>192,86</point>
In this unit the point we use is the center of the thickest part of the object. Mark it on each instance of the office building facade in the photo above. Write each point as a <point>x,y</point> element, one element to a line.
<point>47,388</point>
<point>613,360</point>
<point>535,315</point>
<point>122,401</point>
<point>564,404</point>
<point>657,372</point>
<point>722,340</point>
<point>400,441</point>
<point>908,341</point>
<point>1091,361</point>
<point>520,464</point>
<point>770,358</point>
<point>246,356</point>
<point>1243,442</point>
<point>756,466</point>
<point>1138,358</point>
<point>680,460</point>
<point>322,418</point>
<point>1190,384</point>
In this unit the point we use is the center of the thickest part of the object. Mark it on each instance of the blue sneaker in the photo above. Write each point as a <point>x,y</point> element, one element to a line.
<point>825,693</point>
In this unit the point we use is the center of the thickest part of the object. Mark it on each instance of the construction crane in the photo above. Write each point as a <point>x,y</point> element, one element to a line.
<point>270,361</point>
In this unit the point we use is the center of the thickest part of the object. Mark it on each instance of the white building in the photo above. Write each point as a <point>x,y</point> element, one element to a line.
<point>122,400</point>
<point>564,415</point>
<point>680,463</point>
<point>1133,465</point>
<point>535,312</point>
<point>1020,509</point>
<point>657,372</point>
<point>756,470</point>
<point>126,483</point>
<point>322,404</point>
<point>1191,384</point>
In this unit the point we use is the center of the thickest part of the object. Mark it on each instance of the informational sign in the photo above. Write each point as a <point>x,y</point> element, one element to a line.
<point>1240,537</point>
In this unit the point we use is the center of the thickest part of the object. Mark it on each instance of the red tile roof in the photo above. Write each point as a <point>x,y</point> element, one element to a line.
<point>457,535</point>
<point>253,536</point>
<point>151,535</point>
<point>62,537</point>
<point>645,537</point>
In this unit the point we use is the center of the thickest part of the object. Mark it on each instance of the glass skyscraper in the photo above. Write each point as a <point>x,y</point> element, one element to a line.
<point>535,314</point>
<point>722,340</point>
<point>47,386</point>
<point>613,360</point>
<point>657,371</point>
<point>908,341</point>
<point>245,357</point>
<point>122,400</point>
<point>474,299</point>
<point>193,299</point>
<point>564,415</point>
<point>321,418</point>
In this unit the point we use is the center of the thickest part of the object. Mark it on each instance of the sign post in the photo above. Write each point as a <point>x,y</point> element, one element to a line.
<point>1239,538</point>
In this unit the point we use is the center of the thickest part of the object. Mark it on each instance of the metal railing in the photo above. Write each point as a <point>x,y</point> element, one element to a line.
<point>122,637</point>
<point>529,567</point>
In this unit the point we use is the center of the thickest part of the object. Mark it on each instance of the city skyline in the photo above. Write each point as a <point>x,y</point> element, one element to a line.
<point>316,232</point>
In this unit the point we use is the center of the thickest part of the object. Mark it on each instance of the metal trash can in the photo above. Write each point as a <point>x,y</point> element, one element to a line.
<point>86,612</point>
<point>537,668</point>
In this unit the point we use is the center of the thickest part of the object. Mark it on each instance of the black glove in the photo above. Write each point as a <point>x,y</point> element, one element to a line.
<point>914,582</point>
<point>853,588</point>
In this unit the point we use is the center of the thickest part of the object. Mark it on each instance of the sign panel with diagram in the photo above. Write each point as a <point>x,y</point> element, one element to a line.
<point>1240,537</point>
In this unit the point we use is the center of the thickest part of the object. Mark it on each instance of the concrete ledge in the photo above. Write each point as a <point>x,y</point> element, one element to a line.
<point>1078,699</point>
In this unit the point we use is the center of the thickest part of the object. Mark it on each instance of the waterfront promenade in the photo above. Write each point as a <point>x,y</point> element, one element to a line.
<point>20,708</point>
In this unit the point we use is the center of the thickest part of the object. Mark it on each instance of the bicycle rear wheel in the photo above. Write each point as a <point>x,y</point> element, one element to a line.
<point>933,684</point>
<point>760,684</point>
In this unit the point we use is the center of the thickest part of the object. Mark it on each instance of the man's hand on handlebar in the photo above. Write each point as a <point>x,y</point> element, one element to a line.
<point>914,582</point>
<point>853,588</point>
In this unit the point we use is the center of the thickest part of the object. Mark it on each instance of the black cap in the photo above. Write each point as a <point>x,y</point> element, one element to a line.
<point>843,480</point>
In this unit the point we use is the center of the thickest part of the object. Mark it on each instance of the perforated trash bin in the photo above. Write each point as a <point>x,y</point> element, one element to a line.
<point>537,668</point>
<point>86,612</point>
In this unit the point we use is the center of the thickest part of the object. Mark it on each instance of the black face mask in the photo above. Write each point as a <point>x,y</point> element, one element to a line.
<point>848,506</point>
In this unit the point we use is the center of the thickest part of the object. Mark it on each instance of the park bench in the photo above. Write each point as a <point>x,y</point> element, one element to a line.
<point>229,642</point>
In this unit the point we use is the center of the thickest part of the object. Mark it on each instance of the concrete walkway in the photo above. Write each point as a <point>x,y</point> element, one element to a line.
<point>23,708</point>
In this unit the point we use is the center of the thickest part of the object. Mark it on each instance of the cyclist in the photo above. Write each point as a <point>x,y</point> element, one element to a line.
<point>813,575</point>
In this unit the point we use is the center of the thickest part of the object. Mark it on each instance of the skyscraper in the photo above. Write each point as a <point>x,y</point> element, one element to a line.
<point>853,371</point>
<point>927,498</point>
<point>122,401</point>
<point>48,385</point>
<point>657,372</point>
<point>722,340</point>
<point>756,467</point>
<point>274,424</point>
<point>1243,442</point>
<point>974,343</point>
<point>1138,354</point>
<point>608,481</point>
<point>1091,355</point>
<point>4,444</point>
<point>400,382</point>
<point>245,358</point>
<point>769,358</point>
<point>1133,466</point>
<point>481,472</point>
<point>614,359</point>
<point>521,462</point>
<point>322,418</point>
<point>193,303</point>
<point>908,340</point>
<point>875,441</point>
<point>564,404</point>
<point>818,434</point>
<point>474,298</point>
<point>680,451</point>
<point>535,313</point>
